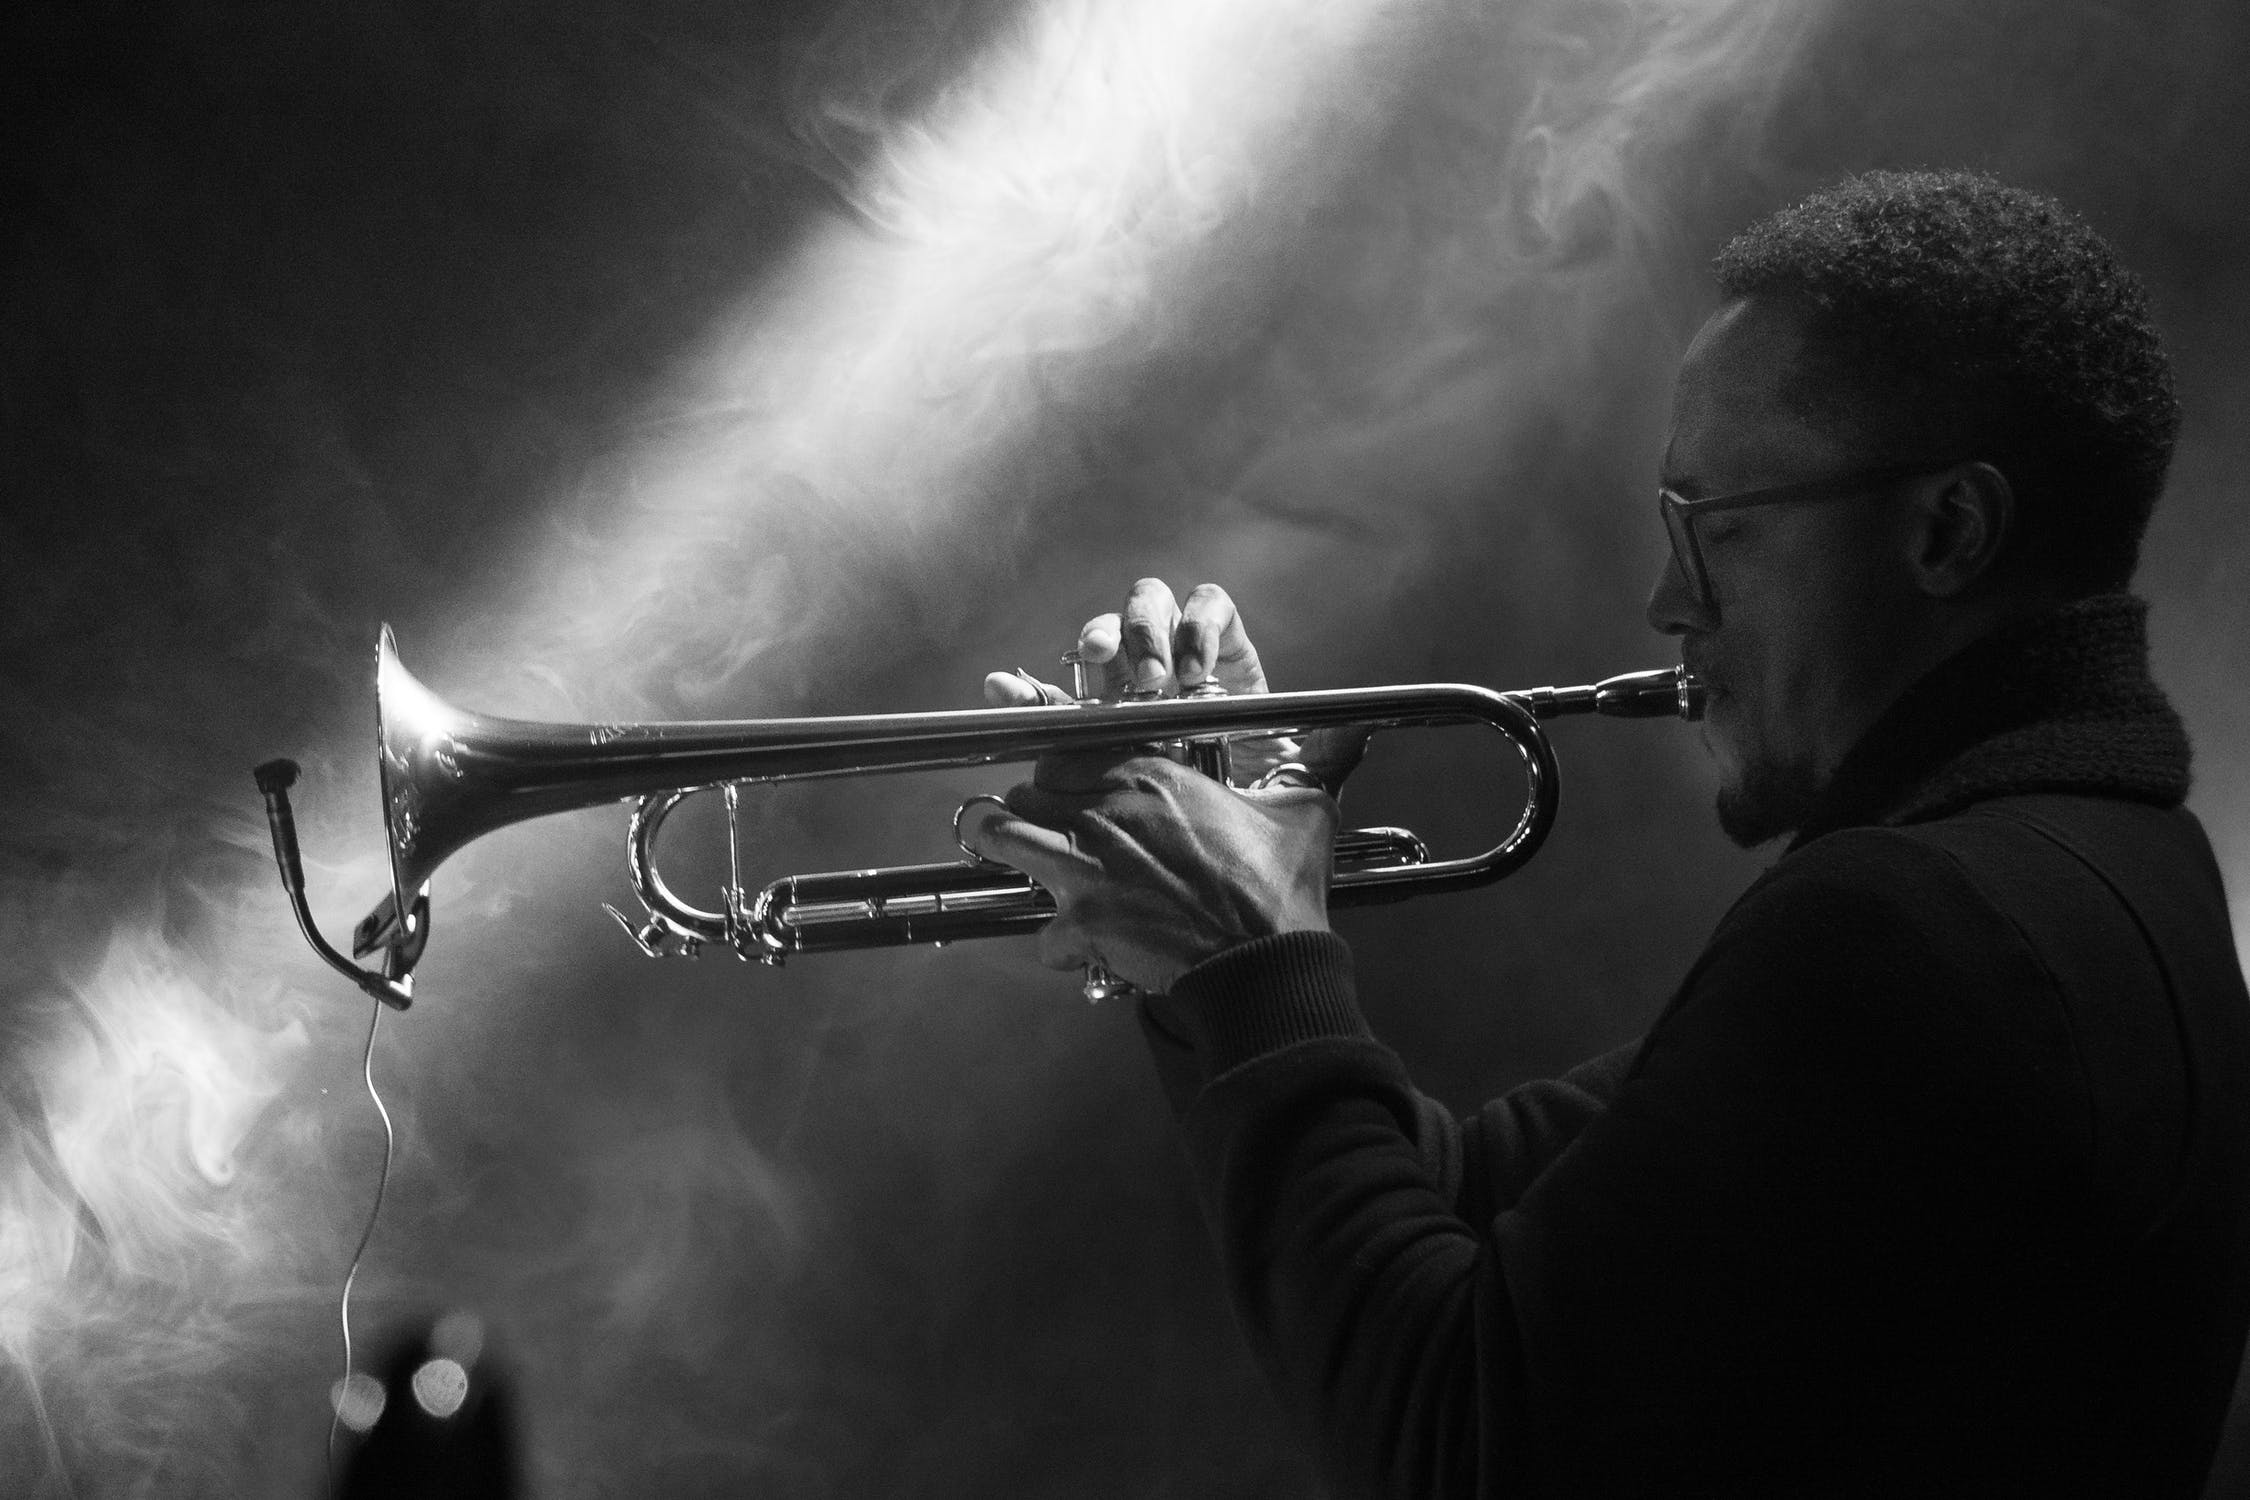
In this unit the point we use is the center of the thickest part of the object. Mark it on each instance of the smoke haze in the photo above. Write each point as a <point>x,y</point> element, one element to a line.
<point>682,358</point>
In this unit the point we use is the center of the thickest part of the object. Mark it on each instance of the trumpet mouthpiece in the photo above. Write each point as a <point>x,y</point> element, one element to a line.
<point>1668,692</point>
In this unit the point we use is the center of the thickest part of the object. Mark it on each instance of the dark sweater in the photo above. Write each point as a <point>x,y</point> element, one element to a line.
<point>1932,1178</point>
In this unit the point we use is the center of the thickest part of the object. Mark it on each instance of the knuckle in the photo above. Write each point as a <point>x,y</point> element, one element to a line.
<point>1148,773</point>
<point>1152,596</point>
<point>1142,636</point>
<point>1093,833</point>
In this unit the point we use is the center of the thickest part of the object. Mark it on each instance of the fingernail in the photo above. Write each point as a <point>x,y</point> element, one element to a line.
<point>1149,672</point>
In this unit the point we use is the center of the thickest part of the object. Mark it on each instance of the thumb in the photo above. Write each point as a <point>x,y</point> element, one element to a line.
<point>1019,689</point>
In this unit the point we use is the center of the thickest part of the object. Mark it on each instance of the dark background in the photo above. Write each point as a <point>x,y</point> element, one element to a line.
<point>657,359</point>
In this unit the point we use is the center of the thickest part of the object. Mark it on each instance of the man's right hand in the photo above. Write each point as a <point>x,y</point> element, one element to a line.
<point>1157,643</point>
<point>1161,643</point>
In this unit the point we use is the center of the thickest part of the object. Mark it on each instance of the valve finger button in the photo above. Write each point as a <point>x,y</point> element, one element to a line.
<point>1076,662</point>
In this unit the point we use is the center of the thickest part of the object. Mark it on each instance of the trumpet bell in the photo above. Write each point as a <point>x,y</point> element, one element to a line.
<point>448,778</point>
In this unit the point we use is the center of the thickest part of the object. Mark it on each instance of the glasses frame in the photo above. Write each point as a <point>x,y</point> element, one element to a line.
<point>1679,512</point>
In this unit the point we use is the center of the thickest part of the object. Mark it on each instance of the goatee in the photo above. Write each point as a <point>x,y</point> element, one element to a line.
<point>1771,800</point>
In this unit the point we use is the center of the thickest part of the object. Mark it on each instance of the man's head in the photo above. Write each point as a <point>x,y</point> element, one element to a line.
<point>1979,338</point>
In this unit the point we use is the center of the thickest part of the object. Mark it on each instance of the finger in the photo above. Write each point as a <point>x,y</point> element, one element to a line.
<point>1291,796</point>
<point>1145,629</point>
<point>1220,643</point>
<point>1210,641</point>
<point>1307,809</point>
<point>1045,854</point>
<point>1097,647</point>
<point>1063,943</point>
<point>1097,639</point>
<point>1007,690</point>
<point>1333,754</point>
<point>1019,689</point>
<point>1254,755</point>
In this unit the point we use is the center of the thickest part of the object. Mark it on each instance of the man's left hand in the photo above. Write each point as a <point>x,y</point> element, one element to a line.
<point>1155,867</point>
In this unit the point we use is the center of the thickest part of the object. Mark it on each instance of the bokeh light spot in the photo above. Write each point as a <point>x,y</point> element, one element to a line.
<point>358,1400</point>
<point>458,1336</point>
<point>440,1386</point>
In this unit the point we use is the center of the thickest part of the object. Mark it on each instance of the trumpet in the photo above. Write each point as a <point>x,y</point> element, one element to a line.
<point>450,776</point>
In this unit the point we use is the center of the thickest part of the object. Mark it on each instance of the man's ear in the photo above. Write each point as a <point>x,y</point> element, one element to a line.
<point>1961,520</point>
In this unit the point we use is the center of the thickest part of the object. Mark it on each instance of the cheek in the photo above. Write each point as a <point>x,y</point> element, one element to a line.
<point>1742,724</point>
<point>1778,639</point>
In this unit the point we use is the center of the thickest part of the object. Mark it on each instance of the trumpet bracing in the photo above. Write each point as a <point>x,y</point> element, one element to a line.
<point>450,776</point>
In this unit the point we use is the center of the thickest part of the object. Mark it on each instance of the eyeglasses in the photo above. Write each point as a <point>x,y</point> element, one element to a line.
<point>1680,512</point>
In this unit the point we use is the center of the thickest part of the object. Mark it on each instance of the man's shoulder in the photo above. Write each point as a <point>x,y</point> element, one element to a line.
<point>1892,926</point>
<point>1996,855</point>
<point>1868,878</point>
<point>2074,917</point>
<point>1866,927</point>
<point>1876,955</point>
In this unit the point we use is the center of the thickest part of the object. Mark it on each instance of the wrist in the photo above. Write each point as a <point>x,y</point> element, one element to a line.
<point>1266,994</point>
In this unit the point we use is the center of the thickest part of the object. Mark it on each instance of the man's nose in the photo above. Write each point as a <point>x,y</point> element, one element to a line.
<point>1673,608</point>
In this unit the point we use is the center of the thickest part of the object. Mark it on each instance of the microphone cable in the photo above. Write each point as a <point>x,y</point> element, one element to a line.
<point>344,1303</point>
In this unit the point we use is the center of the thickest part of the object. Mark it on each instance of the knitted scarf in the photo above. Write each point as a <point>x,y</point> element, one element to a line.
<point>2060,703</point>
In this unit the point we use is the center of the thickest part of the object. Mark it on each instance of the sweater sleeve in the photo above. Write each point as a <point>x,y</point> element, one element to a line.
<point>1663,1280</point>
<point>1482,1164</point>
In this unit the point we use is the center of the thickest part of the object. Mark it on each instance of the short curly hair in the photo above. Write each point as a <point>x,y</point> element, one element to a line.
<point>1953,317</point>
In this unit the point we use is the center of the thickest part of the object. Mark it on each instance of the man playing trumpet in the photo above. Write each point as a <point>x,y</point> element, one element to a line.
<point>1934,1175</point>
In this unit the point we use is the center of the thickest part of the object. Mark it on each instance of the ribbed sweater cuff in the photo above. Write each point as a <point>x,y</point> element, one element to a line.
<point>1267,994</point>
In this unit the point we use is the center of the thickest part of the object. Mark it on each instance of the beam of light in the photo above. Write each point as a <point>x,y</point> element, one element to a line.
<point>1100,189</point>
<point>1114,188</point>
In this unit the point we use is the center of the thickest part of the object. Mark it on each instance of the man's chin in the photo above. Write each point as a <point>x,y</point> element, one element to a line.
<point>1746,823</point>
<point>1766,803</point>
